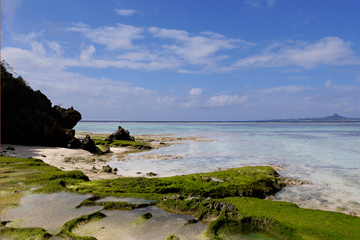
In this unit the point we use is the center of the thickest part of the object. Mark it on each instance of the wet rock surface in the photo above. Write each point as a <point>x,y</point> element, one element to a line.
<point>293,181</point>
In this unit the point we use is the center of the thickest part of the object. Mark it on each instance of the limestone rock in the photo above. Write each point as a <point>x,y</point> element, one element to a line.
<point>89,145</point>
<point>121,134</point>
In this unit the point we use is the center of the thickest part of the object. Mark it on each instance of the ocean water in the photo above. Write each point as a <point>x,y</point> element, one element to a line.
<point>327,155</point>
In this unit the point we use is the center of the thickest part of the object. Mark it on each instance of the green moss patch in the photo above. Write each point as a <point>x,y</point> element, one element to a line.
<point>123,143</point>
<point>24,233</point>
<point>299,223</point>
<point>246,181</point>
<point>71,225</point>
<point>146,216</point>
<point>110,205</point>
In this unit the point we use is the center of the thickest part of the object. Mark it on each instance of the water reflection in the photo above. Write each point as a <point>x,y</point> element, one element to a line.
<point>128,225</point>
<point>49,211</point>
<point>128,200</point>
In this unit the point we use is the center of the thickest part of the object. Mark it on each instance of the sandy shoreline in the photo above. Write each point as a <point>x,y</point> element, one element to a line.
<point>66,159</point>
<point>91,165</point>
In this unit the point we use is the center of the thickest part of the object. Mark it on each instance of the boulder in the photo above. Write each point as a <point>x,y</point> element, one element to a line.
<point>75,143</point>
<point>107,169</point>
<point>121,134</point>
<point>89,145</point>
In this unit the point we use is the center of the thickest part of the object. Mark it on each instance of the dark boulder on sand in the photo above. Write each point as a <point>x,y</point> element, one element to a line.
<point>89,145</point>
<point>28,117</point>
<point>121,134</point>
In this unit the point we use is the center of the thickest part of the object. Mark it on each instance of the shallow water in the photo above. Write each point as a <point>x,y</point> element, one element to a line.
<point>128,225</point>
<point>327,155</point>
<point>128,200</point>
<point>49,211</point>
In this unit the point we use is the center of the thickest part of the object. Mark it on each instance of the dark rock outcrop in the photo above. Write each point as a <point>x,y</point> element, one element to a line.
<point>75,143</point>
<point>28,118</point>
<point>121,134</point>
<point>89,145</point>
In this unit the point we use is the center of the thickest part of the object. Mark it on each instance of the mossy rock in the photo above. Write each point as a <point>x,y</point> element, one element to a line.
<point>146,216</point>
<point>172,237</point>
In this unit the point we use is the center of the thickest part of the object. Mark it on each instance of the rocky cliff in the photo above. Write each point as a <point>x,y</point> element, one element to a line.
<point>28,117</point>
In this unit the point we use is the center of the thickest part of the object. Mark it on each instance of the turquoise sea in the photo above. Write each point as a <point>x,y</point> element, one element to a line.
<point>327,155</point>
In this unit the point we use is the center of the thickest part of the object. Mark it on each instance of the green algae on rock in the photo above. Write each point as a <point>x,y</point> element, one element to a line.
<point>23,233</point>
<point>146,216</point>
<point>122,143</point>
<point>69,226</point>
<point>246,181</point>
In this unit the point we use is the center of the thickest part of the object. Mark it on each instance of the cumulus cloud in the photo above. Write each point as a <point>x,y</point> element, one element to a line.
<point>195,91</point>
<point>226,100</point>
<point>87,54</point>
<point>125,12</point>
<point>114,37</point>
<point>328,51</point>
<point>197,49</point>
<point>22,59</point>
<point>89,94</point>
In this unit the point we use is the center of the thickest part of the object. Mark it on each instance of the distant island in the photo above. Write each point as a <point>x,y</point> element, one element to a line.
<point>335,118</point>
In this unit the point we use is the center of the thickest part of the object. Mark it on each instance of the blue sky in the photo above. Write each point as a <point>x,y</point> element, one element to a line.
<point>188,60</point>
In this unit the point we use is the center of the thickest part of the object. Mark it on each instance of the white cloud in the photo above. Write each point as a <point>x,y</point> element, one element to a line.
<point>328,51</point>
<point>56,47</point>
<point>142,55</point>
<point>8,9</point>
<point>195,91</point>
<point>165,99</point>
<point>21,59</point>
<point>125,12</point>
<point>284,89</point>
<point>328,83</point>
<point>226,100</point>
<point>89,93</point>
<point>38,48</point>
<point>271,3</point>
<point>195,49</point>
<point>86,55</point>
<point>115,37</point>
<point>26,38</point>
<point>252,3</point>
<point>258,3</point>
